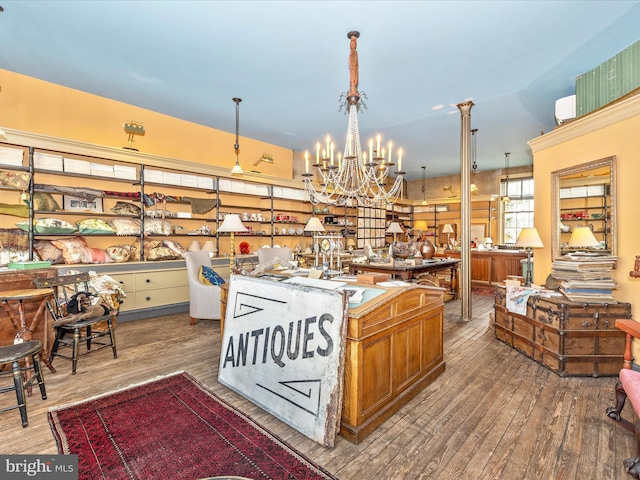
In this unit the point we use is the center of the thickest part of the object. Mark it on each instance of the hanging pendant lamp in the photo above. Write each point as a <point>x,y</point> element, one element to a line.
<point>237,169</point>
<point>506,198</point>
<point>424,190</point>
<point>474,149</point>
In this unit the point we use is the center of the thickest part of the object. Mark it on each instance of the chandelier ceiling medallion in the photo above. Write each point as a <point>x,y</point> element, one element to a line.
<point>354,176</point>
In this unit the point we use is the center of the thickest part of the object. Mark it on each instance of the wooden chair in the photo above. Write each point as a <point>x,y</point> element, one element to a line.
<point>21,369</point>
<point>628,386</point>
<point>80,325</point>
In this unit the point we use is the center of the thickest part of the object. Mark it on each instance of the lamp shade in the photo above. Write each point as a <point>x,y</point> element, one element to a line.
<point>195,246</point>
<point>209,246</point>
<point>529,238</point>
<point>394,227</point>
<point>232,223</point>
<point>488,241</point>
<point>583,237</point>
<point>314,225</point>
<point>447,228</point>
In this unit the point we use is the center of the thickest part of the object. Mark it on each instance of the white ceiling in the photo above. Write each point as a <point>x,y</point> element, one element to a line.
<point>287,60</point>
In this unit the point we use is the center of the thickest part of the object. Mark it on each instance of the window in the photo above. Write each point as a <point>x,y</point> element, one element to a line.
<point>518,213</point>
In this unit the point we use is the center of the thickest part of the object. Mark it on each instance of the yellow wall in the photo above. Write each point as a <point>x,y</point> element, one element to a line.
<point>611,131</point>
<point>32,105</point>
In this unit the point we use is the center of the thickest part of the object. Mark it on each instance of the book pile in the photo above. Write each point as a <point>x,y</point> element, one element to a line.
<point>585,277</point>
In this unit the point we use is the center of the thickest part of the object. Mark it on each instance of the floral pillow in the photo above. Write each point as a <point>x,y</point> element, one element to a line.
<point>157,226</point>
<point>175,246</point>
<point>94,255</point>
<point>48,252</point>
<point>121,253</point>
<point>94,226</point>
<point>208,276</point>
<point>126,226</point>
<point>71,249</point>
<point>162,253</point>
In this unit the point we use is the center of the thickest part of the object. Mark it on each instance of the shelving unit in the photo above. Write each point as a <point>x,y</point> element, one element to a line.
<point>586,206</point>
<point>176,188</point>
<point>431,218</point>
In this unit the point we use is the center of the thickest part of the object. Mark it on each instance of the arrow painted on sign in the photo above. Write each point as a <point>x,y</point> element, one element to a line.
<point>304,394</point>
<point>246,304</point>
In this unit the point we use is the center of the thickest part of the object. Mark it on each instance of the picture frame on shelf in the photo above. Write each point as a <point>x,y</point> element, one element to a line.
<point>81,205</point>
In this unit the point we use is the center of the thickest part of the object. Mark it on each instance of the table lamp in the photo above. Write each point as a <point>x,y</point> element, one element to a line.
<point>488,243</point>
<point>314,225</point>
<point>529,239</point>
<point>395,228</point>
<point>232,224</point>
<point>448,229</point>
<point>582,237</point>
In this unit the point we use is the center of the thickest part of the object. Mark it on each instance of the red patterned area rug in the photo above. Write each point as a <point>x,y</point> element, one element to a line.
<point>172,428</point>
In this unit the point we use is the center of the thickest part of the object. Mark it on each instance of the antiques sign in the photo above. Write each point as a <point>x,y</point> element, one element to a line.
<point>283,349</point>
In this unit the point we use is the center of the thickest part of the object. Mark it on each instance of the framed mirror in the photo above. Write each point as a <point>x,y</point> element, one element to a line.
<point>584,196</point>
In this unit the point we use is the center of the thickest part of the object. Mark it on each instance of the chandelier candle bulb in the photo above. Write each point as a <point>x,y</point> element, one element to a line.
<point>328,143</point>
<point>371,148</point>
<point>332,148</point>
<point>378,145</point>
<point>399,159</point>
<point>318,153</point>
<point>306,161</point>
<point>390,151</point>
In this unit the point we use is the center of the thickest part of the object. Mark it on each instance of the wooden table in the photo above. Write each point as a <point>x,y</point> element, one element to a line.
<point>409,272</point>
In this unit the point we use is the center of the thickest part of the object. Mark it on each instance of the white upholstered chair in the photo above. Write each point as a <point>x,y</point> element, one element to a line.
<point>204,300</point>
<point>267,254</point>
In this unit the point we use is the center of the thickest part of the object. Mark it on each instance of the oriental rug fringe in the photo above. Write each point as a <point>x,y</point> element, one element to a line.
<point>172,428</point>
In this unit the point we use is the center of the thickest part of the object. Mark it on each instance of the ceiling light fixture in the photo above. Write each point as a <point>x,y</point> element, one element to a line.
<point>474,149</point>
<point>506,198</point>
<point>424,190</point>
<point>237,169</point>
<point>354,176</point>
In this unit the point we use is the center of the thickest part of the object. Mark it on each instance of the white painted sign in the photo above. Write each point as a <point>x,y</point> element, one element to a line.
<point>283,349</point>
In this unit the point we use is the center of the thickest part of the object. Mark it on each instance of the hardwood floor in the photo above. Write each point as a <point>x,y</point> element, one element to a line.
<point>493,414</point>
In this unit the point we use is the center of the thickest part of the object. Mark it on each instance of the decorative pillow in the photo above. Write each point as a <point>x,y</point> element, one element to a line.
<point>19,210</point>
<point>23,226</point>
<point>121,253</point>
<point>147,244</point>
<point>94,226</point>
<point>48,252</point>
<point>162,253</point>
<point>175,246</point>
<point>93,255</point>
<point>126,226</point>
<point>126,208</point>
<point>44,202</point>
<point>19,180</point>
<point>157,226</point>
<point>208,276</point>
<point>53,226</point>
<point>71,249</point>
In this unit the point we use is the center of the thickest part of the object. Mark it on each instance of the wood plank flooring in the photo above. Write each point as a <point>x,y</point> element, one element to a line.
<point>493,414</point>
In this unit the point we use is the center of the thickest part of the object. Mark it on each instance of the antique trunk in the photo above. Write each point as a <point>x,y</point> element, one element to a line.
<point>569,338</point>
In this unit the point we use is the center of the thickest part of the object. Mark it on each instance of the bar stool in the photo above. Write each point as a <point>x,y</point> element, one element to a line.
<point>15,355</point>
<point>13,302</point>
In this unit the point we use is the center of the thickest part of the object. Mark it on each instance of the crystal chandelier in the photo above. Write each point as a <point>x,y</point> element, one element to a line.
<point>354,176</point>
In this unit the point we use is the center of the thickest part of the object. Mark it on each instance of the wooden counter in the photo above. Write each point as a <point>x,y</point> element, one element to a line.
<point>394,348</point>
<point>491,267</point>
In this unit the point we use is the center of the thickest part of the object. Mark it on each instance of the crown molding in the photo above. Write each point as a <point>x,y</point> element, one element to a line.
<point>596,120</point>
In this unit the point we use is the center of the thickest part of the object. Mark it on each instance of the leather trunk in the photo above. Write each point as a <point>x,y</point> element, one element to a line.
<point>569,338</point>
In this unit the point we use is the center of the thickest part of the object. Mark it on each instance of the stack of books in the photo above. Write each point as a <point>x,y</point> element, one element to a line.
<point>586,277</point>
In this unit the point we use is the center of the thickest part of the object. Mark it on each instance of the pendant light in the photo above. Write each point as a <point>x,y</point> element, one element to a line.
<point>237,169</point>
<point>473,187</point>
<point>506,198</point>
<point>424,190</point>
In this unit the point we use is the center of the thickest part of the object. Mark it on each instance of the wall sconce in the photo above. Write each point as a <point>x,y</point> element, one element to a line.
<point>266,158</point>
<point>132,129</point>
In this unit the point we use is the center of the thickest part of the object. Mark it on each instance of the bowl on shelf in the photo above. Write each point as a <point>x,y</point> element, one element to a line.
<point>596,215</point>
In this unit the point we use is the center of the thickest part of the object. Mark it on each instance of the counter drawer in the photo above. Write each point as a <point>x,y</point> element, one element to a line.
<point>161,279</point>
<point>125,279</point>
<point>161,296</point>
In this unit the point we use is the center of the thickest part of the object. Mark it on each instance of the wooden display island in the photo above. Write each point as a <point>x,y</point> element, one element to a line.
<point>491,267</point>
<point>394,348</point>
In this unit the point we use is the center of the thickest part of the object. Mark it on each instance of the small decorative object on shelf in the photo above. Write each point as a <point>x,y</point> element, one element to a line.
<point>635,273</point>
